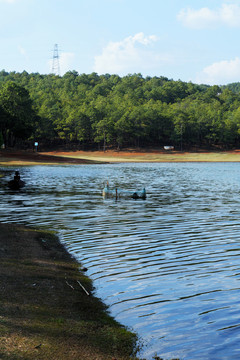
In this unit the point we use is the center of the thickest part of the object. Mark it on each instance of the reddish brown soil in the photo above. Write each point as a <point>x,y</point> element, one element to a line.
<point>127,152</point>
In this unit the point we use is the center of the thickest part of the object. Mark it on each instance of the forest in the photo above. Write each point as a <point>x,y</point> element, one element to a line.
<point>91,111</point>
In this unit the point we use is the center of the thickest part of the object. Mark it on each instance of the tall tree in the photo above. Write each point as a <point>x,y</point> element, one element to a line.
<point>18,113</point>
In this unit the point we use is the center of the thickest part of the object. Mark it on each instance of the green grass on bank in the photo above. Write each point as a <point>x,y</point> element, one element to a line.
<point>44,312</point>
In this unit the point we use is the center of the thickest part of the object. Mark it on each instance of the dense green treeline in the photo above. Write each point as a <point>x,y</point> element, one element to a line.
<point>90,110</point>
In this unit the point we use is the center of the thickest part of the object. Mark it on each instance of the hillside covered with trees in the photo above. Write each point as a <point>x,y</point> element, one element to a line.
<point>92,111</point>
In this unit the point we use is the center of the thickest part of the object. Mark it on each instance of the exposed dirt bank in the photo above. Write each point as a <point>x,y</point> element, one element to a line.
<point>151,155</point>
<point>21,158</point>
<point>45,311</point>
<point>32,158</point>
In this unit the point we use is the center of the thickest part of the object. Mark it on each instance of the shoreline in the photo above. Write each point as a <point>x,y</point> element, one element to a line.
<point>150,156</point>
<point>47,306</point>
<point>25,158</point>
<point>28,158</point>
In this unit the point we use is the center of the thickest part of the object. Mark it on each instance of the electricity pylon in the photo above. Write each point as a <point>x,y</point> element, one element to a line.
<point>55,61</point>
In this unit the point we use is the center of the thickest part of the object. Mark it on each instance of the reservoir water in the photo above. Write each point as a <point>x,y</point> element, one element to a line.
<point>169,266</point>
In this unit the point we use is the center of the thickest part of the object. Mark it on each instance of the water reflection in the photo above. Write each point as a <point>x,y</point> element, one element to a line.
<point>168,266</point>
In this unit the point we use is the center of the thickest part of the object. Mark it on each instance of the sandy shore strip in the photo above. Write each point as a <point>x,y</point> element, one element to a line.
<point>47,306</point>
<point>27,158</point>
<point>111,156</point>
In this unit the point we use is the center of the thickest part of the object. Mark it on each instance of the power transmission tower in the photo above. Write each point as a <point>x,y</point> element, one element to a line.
<point>55,61</point>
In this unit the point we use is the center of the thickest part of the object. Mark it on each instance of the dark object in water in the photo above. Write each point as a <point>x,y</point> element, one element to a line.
<point>139,195</point>
<point>124,193</point>
<point>16,184</point>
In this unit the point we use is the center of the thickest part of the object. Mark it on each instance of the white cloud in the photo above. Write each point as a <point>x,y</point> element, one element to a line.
<point>131,55</point>
<point>66,61</point>
<point>220,73</point>
<point>227,14</point>
<point>22,50</point>
<point>23,53</point>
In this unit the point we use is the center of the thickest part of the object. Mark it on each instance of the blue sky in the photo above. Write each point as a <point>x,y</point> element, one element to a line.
<point>189,40</point>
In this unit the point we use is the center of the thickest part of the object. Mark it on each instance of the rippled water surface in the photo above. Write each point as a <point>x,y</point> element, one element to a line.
<point>169,266</point>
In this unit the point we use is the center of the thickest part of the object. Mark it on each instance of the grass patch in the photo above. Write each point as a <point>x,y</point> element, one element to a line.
<point>44,313</point>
